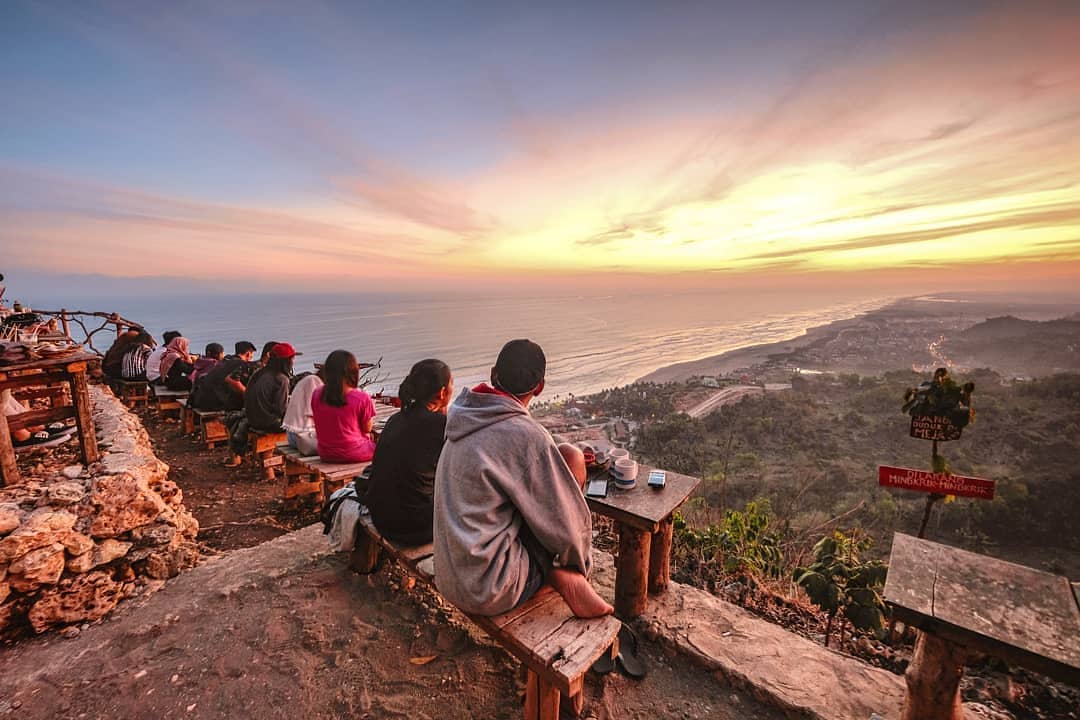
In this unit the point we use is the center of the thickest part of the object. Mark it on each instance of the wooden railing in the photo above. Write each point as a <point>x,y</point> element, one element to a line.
<point>83,321</point>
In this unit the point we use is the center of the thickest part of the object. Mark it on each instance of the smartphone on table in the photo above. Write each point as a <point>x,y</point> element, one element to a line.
<point>597,488</point>
<point>657,479</point>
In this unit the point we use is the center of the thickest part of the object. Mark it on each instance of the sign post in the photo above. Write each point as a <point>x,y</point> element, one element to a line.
<point>939,409</point>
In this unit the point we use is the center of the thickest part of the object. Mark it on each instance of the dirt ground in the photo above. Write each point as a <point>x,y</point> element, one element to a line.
<point>319,642</point>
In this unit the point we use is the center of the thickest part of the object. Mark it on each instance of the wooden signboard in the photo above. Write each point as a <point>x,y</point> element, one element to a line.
<point>940,483</point>
<point>934,427</point>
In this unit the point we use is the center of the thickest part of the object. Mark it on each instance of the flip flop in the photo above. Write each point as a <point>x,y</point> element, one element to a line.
<point>628,660</point>
<point>38,438</point>
<point>230,464</point>
<point>604,664</point>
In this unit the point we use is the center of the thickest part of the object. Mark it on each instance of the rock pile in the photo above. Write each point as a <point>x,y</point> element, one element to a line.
<point>75,541</point>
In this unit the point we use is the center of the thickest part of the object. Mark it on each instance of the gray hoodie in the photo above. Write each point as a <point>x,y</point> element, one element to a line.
<point>500,472</point>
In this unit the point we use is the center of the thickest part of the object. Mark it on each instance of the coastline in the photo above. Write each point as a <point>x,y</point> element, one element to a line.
<point>751,355</point>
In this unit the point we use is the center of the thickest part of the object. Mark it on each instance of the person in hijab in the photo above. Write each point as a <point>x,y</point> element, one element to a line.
<point>176,365</point>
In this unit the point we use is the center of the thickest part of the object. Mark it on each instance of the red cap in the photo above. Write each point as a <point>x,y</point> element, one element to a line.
<point>283,350</point>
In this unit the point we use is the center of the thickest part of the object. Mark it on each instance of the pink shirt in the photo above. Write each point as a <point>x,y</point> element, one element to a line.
<point>338,430</point>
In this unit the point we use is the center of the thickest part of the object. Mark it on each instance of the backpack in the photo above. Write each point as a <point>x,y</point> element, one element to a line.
<point>339,516</point>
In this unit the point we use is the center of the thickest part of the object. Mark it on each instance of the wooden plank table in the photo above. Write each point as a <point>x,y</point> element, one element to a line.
<point>965,602</point>
<point>643,516</point>
<point>69,370</point>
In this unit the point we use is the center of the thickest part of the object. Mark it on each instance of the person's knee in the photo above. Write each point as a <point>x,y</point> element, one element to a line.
<point>575,459</point>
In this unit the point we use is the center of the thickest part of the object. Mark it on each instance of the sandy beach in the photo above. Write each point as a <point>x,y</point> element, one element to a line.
<point>753,354</point>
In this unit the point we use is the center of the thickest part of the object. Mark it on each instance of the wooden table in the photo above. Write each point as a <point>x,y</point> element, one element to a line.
<point>644,520</point>
<point>70,370</point>
<point>963,603</point>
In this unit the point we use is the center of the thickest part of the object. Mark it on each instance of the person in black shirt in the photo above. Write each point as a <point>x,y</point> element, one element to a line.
<point>222,387</point>
<point>265,400</point>
<point>403,469</point>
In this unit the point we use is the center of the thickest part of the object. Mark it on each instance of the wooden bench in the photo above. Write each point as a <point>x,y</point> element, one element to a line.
<point>209,424</point>
<point>261,445</point>
<point>555,647</point>
<point>131,392</point>
<point>168,401</point>
<point>311,476</point>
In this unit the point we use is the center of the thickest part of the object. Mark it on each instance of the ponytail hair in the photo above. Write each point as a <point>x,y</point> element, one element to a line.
<point>426,380</point>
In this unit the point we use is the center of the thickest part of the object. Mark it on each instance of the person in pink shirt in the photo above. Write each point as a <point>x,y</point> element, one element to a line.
<point>343,414</point>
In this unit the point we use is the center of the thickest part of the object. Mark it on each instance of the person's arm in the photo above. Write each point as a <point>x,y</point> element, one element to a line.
<point>281,398</point>
<point>366,416</point>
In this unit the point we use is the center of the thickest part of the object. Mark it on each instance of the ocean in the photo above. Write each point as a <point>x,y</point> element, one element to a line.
<point>592,341</point>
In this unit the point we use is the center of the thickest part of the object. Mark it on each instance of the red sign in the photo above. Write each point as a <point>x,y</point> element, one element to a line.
<point>922,481</point>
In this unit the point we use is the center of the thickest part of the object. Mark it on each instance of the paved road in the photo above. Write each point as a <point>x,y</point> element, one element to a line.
<point>730,394</point>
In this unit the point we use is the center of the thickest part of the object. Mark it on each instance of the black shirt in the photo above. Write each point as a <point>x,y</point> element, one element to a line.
<point>403,475</point>
<point>265,400</point>
<point>213,393</point>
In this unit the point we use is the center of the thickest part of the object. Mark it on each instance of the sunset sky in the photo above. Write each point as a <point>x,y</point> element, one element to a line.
<point>321,145</point>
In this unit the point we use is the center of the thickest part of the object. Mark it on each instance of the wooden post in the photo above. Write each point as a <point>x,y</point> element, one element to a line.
<point>80,395</point>
<point>931,498</point>
<point>64,322</point>
<point>365,554</point>
<point>933,680</point>
<point>660,557</point>
<point>9,469</point>
<point>631,575</point>
<point>541,699</point>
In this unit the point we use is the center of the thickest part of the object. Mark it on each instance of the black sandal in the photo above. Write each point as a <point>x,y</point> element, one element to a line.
<point>628,660</point>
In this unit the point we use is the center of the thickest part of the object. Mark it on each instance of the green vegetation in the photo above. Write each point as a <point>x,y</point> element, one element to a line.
<point>813,454</point>
<point>743,542</point>
<point>840,581</point>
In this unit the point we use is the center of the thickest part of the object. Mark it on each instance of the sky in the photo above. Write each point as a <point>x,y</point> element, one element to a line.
<point>368,146</point>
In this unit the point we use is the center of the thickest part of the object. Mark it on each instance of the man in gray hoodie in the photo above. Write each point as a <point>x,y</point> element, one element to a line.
<point>509,509</point>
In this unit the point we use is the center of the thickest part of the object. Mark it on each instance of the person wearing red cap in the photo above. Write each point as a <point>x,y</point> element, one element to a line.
<point>265,399</point>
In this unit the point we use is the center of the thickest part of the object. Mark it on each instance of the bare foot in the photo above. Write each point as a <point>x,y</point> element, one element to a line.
<point>575,589</point>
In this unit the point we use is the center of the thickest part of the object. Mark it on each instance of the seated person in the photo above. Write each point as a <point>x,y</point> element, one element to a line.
<point>265,400</point>
<point>403,469</point>
<point>343,414</point>
<point>214,354</point>
<point>153,361</point>
<point>112,363</point>
<point>176,365</point>
<point>133,364</point>
<point>222,387</point>
<point>264,358</point>
<point>299,421</point>
<point>509,510</point>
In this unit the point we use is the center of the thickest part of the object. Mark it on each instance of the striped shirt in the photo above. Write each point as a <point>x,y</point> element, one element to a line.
<point>133,365</point>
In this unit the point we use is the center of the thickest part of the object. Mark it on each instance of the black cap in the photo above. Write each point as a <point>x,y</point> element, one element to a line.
<point>244,346</point>
<point>520,367</point>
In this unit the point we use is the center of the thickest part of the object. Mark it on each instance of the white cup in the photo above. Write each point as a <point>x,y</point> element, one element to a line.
<point>617,454</point>
<point>626,470</point>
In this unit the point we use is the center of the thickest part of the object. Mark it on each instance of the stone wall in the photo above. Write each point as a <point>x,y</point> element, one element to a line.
<point>75,541</point>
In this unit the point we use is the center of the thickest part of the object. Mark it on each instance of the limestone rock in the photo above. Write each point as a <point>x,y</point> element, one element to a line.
<point>36,568</point>
<point>65,493</point>
<point>109,550</point>
<point>84,597</point>
<point>124,502</point>
<point>81,563</point>
<point>72,471</point>
<point>5,590</point>
<point>76,543</point>
<point>10,517</point>
<point>43,527</point>
<point>156,534</point>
